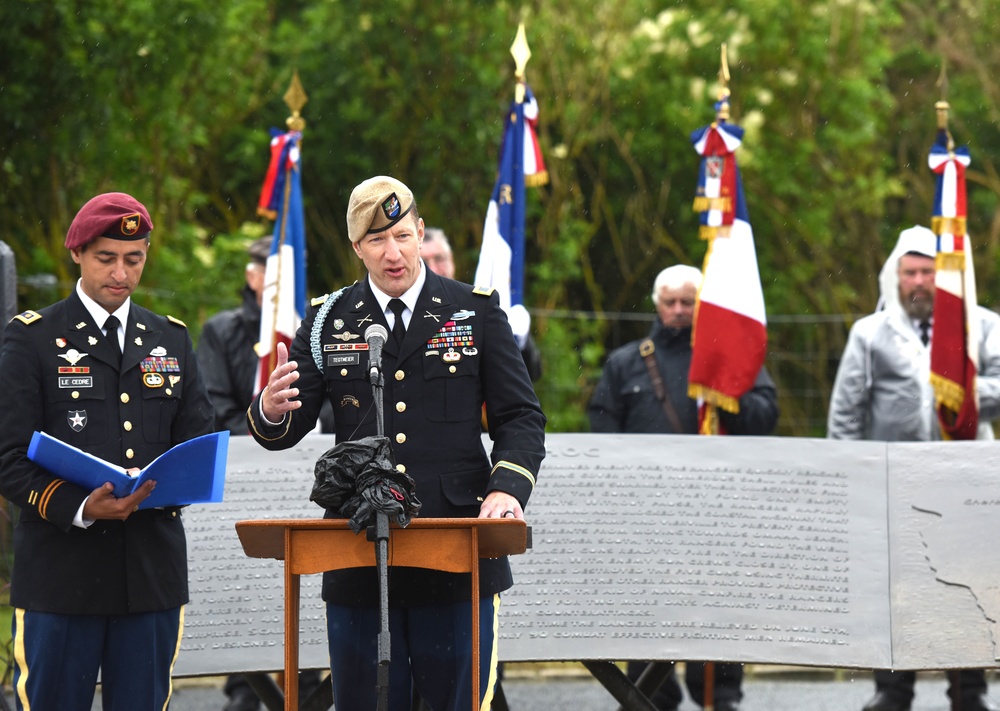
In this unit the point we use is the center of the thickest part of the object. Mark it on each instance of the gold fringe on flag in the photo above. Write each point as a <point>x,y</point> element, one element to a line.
<point>954,261</point>
<point>948,226</point>
<point>714,397</point>
<point>708,232</point>
<point>536,179</point>
<point>947,393</point>
<point>723,204</point>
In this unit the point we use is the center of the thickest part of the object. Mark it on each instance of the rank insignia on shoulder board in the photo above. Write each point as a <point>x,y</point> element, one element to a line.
<point>28,317</point>
<point>482,290</point>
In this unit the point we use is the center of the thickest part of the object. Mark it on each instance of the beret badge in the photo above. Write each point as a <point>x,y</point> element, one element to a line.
<point>391,207</point>
<point>130,224</point>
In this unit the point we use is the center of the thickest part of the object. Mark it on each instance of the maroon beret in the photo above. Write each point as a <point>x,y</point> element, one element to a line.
<point>114,215</point>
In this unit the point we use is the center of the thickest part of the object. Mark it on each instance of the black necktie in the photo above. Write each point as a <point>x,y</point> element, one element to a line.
<point>398,327</point>
<point>111,333</point>
<point>925,335</point>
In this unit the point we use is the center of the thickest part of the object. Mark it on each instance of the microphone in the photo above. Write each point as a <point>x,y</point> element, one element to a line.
<point>376,336</point>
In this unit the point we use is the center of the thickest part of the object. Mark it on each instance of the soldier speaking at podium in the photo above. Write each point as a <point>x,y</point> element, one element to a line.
<point>450,349</point>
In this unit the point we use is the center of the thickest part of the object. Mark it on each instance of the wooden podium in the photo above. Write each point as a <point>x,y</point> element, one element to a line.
<point>309,546</point>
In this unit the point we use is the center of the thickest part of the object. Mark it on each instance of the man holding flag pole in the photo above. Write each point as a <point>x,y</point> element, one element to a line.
<point>924,367</point>
<point>230,351</point>
<point>700,370</point>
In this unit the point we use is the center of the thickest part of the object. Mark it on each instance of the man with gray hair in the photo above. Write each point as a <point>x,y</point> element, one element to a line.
<point>644,389</point>
<point>883,392</point>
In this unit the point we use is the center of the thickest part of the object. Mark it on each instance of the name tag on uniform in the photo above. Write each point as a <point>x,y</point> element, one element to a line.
<point>343,359</point>
<point>76,381</point>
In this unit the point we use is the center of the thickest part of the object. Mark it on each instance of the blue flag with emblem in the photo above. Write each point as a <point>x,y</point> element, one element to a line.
<point>501,257</point>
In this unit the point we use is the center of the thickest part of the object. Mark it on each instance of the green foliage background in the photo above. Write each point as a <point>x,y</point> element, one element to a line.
<point>171,101</point>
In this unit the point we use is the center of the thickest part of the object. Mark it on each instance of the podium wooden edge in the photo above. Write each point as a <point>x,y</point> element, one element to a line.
<point>265,538</point>
<point>456,544</point>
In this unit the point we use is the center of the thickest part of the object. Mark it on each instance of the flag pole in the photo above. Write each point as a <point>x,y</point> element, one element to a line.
<point>710,422</point>
<point>295,98</point>
<point>955,333</point>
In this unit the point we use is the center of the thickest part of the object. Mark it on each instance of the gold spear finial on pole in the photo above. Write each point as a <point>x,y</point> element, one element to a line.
<point>521,53</point>
<point>723,113</point>
<point>295,98</point>
<point>943,106</point>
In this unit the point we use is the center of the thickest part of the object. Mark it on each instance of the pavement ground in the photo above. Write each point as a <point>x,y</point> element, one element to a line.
<point>531,687</point>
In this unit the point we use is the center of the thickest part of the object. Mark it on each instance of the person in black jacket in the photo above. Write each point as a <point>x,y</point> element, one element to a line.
<point>450,349</point>
<point>97,586</point>
<point>625,401</point>
<point>229,364</point>
<point>226,347</point>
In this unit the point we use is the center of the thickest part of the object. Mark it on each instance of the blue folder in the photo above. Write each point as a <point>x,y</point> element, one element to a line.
<point>192,472</point>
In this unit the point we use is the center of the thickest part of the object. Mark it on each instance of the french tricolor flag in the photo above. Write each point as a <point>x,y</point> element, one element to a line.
<point>284,299</point>
<point>729,336</point>
<point>955,336</point>
<point>501,256</point>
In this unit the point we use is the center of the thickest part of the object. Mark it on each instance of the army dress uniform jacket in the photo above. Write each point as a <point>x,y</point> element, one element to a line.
<point>457,353</point>
<point>59,375</point>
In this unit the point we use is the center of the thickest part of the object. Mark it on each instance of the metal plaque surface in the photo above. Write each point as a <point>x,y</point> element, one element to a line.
<point>765,550</point>
<point>714,548</point>
<point>944,516</point>
<point>235,620</point>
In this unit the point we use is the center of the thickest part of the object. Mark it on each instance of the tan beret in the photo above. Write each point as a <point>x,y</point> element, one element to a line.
<point>376,205</point>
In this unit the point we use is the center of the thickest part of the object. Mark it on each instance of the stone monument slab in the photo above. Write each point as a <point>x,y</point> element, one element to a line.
<point>749,549</point>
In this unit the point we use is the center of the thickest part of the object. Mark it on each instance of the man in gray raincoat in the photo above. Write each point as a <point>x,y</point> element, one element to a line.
<point>883,392</point>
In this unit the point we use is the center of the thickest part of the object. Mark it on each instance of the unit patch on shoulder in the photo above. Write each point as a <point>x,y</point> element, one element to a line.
<point>319,300</point>
<point>28,317</point>
<point>483,290</point>
<point>177,321</point>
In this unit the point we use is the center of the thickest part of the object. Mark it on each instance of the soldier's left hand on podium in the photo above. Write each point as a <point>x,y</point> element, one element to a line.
<point>500,505</point>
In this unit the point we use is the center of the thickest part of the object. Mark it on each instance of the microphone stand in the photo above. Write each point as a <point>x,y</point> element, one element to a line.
<point>380,535</point>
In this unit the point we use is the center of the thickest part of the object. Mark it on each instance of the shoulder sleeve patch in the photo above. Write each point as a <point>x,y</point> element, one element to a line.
<point>483,290</point>
<point>28,317</point>
<point>176,321</point>
<point>319,300</point>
